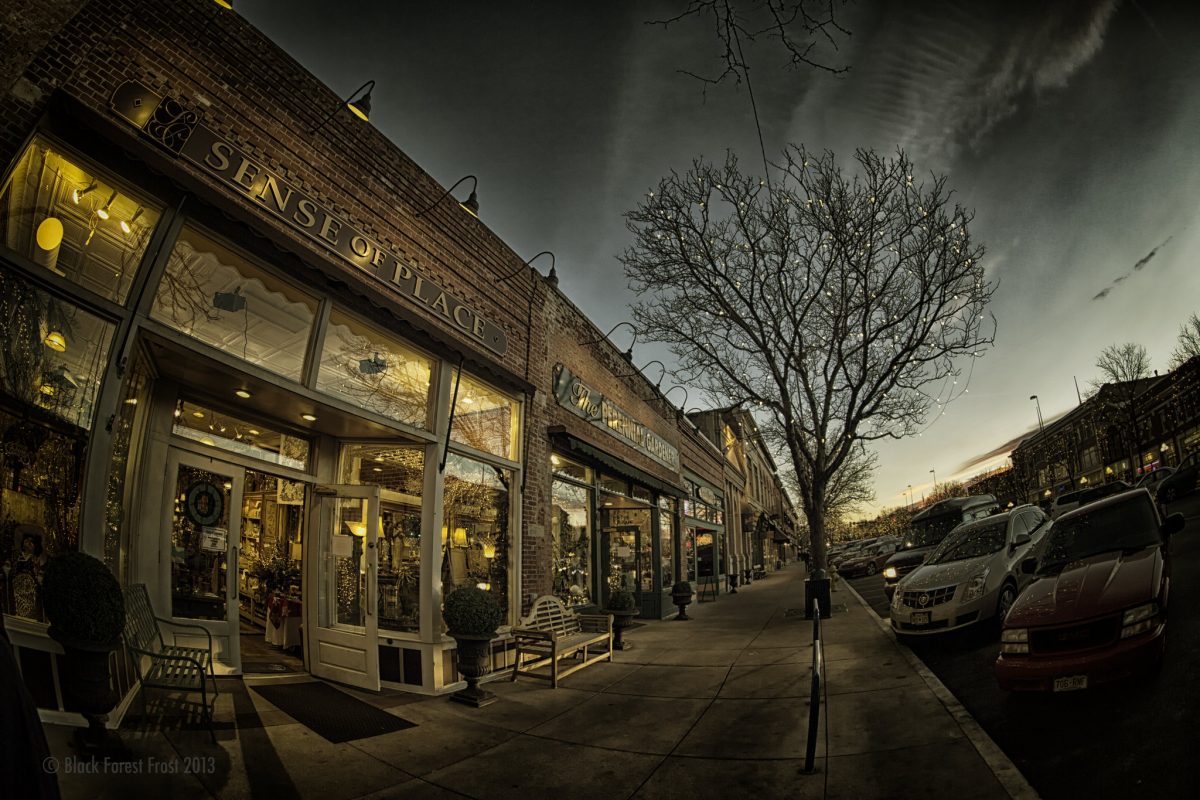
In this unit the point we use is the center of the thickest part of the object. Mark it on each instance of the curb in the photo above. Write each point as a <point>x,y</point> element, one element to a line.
<point>1006,772</point>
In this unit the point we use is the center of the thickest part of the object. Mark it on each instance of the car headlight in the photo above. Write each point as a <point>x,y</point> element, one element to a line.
<point>1138,620</point>
<point>974,588</point>
<point>1014,640</point>
<point>890,573</point>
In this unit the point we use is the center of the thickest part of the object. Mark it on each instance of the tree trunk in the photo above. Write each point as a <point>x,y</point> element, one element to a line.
<point>816,532</point>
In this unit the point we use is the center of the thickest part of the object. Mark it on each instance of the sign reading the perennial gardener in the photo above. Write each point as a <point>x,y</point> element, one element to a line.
<point>177,129</point>
<point>584,401</point>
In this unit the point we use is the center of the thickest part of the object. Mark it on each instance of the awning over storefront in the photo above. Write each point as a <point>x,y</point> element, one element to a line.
<point>572,445</point>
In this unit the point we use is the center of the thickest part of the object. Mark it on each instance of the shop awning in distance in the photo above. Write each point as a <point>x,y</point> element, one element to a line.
<point>616,465</point>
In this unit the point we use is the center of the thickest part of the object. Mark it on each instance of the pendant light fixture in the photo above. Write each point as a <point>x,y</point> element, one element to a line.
<point>56,341</point>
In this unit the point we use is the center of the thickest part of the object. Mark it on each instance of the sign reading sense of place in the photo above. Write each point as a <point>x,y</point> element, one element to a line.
<point>575,395</point>
<point>167,122</point>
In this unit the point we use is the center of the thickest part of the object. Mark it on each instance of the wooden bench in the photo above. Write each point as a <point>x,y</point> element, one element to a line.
<point>552,632</point>
<point>163,666</point>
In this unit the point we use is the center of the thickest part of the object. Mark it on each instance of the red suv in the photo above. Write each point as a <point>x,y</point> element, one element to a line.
<point>1099,607</point>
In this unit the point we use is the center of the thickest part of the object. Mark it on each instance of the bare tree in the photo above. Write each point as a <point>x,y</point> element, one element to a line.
<point>1123,369</point>
<point>838,308</point>
<point>850,486</point>
<point>1188,343</point>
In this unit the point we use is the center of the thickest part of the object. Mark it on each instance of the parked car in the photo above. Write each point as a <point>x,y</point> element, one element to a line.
<point>928,529</point>
<point>1098,609</point>
<point>972,576</point>
<point>1069,501</point>
<point>1181,483</point>
<point>866,560</point>
<point>1151,480</point>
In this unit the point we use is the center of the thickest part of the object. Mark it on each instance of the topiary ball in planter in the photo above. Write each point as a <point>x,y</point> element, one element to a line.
<point>472,612</point>
<point>472,616</point>
<point>83,603</point>
<point>621,600</point>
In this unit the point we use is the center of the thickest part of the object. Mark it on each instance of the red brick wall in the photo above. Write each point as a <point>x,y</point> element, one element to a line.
<point>264,102</point>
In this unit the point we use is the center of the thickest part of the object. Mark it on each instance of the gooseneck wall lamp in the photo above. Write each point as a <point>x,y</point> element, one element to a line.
<point>471,205</point>
<point>682,405</point>
<point>359,105</point>
<point>552,277</point>
<point>628,353</point>
<point>661,375</point>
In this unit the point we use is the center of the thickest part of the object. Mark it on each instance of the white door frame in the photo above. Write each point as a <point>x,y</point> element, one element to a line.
<point>344,653</point>
<point>225,633</point>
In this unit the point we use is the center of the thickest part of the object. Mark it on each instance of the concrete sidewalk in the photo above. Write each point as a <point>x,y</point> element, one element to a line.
<point>715,707</point>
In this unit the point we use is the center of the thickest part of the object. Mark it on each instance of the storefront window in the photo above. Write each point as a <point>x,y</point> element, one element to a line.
<point>570,469</point>
<point>400,469</point>
<point>227,432</point>
<point>52,354</point>
<point>475,545</point>
<point>666,536</point>
<point>485,419</point>
<point>610,483</point>
<point>571,534</point>
<point>624,528</point>
<point>65,217</point>
<point>374,370</point>
<point>218,296</point>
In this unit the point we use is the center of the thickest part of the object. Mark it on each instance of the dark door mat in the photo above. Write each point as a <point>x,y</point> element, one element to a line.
<point>333,714</point>
<point>266,668</point>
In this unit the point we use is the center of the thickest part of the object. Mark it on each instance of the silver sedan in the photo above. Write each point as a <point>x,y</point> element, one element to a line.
<point>973,575</point>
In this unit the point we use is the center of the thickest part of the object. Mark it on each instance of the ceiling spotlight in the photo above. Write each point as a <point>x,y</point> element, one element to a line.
<point>242,393</point>
<point>198,414</point>
<point>76,194</point>
<point>308,417</point>
<point>103,212</point>
<point>127,224</point>
<point>56,341</point>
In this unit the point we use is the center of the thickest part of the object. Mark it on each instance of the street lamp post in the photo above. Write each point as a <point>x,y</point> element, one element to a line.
<point>934,471</point>
<point>1038,403</point>
<point>910,495</point>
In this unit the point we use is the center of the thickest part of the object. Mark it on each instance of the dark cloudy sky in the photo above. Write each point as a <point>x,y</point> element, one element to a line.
<point>1072,128</point>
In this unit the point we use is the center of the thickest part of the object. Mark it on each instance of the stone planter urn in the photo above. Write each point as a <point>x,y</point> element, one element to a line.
<point>471,617</point>
<point>623,607</point>
<point>681,595</point>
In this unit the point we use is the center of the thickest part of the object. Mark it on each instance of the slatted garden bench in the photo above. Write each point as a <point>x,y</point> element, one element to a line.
<point>553,632</point>
<point>163,666</point>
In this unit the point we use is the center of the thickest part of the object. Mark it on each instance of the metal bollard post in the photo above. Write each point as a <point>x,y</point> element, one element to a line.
<point>814,707</point>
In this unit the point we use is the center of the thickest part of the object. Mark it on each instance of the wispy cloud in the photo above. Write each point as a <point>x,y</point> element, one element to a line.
<point>1137,267</point>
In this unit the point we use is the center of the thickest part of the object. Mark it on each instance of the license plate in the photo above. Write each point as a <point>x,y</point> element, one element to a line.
<point>1071,683</point>
<point>919,618</point>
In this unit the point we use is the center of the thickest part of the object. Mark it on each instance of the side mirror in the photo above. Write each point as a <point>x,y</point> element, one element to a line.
<point>1029,566</point>
<point>1173,524</point>
<point>1020,539</point>
<point>899,547</point>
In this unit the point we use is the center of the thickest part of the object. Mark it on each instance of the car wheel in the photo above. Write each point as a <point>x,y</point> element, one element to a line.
<point>1008,596</point>
<point>1167,495</point>
<point>871,568</point>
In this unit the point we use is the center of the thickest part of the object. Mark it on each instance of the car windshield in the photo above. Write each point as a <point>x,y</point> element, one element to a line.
<point>970,541</point>
<point>1130,525</point>
<point>931,531</point>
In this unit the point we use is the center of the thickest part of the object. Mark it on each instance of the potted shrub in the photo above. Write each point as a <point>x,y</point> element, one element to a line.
<point>623,606</point>
<point>681,595</point>
<point>472,616</point>
<point>86,612</point>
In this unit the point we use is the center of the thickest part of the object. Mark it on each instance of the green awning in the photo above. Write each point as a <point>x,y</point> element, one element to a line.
<point>581,448</point>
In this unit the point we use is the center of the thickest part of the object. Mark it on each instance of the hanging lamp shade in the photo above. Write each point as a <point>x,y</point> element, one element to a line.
<point>56,341</point>
<point>50,233</point>
<point>471,206</point>
<point>362,106</point>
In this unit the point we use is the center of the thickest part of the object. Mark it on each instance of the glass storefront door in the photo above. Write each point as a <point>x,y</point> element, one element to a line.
<point>205,496</point>
<point>343,616</point>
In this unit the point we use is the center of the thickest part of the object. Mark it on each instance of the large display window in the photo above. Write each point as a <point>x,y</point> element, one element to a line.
<point>571,539</point>
<point>374,370</point>
<point>475,528</point>
<point>485,419</point>
<point>217,295</point>
<point>77,223</point>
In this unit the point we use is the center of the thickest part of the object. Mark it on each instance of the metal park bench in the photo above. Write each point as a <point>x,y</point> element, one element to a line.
<point>163,666</point>
<point>552,632</point>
